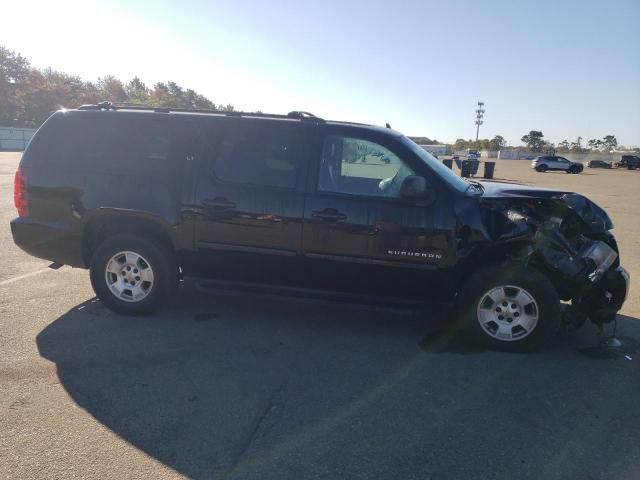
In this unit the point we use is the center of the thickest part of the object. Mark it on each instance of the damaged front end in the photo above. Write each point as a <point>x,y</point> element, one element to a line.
<point>563,235</point>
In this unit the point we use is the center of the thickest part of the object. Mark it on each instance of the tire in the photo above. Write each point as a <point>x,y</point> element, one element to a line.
<point>542,168</point>
<point>534,321</point>
<point>135,267</point>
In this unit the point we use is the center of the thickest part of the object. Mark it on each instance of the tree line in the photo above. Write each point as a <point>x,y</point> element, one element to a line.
<point>535,141</point>
<point>28,94</point>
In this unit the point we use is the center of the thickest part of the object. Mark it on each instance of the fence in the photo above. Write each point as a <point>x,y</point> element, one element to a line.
<point>521,154</point>
<point>15,139</point>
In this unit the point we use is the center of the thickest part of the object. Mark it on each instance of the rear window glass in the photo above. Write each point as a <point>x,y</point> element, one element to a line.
<point>130,145</point>
<point>259,153</point>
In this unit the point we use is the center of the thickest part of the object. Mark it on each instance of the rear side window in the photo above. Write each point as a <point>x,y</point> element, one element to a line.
<point>131,145</point>
<point>259,153</point>
<point>93,143</point>
<point>111,143</point>
<point>49,145</point>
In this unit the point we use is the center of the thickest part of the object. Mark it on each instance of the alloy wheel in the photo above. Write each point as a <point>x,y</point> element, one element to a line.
<point>508,313</point>
<point>129,276</point>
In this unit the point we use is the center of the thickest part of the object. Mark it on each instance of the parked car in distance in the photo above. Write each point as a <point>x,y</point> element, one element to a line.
<point>629,161</point>
<point>473,154</point>
<point>599,164</point>
<point>142,197</point>
<point>552,162</point>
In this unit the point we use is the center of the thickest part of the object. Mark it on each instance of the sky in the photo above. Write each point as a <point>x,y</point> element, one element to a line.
<point>568,68</point>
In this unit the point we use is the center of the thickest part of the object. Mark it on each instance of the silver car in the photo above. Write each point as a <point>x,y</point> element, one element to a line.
<point>552,162</point>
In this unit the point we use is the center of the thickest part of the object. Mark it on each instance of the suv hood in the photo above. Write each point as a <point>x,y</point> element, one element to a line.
<point>501,190</point>
<point>595,218</point>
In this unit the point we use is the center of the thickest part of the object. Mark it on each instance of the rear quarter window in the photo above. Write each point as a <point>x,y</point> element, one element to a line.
<point>48,145</point>
<point>113,143</point>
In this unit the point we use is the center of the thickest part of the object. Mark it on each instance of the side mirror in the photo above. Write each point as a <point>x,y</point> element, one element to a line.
<point>414,187</point>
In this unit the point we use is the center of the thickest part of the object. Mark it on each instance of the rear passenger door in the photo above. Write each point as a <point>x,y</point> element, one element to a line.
<point>250,199</point>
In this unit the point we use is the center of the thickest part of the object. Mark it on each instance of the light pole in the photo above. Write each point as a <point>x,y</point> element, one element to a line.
<point>479,117</point>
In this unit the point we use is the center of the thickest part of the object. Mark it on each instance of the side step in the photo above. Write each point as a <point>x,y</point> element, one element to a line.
<point>330,296</point>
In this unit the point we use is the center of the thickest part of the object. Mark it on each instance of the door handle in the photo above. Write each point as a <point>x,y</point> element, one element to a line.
<point>221,203</point>
<point>329,215</point>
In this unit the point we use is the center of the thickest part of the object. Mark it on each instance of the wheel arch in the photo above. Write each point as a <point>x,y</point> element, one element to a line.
<point>488,257</point>
<point>107,222</point>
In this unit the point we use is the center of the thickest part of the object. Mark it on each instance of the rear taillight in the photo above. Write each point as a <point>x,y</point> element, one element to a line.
<point>20,194</point>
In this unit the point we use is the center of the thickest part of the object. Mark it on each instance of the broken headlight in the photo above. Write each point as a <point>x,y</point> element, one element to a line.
<point>602,255</point>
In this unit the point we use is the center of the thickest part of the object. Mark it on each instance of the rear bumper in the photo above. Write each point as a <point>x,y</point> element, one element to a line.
<point>53,241</point>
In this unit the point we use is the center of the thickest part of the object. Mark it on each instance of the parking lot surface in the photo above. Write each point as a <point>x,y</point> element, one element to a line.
<point>240,386</point>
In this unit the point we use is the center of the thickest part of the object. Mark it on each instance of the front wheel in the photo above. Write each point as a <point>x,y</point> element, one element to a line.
<point>132,275</point>
<point>509,308</point>
<point>542,168</point>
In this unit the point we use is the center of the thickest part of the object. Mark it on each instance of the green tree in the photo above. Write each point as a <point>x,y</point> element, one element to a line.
<point>497,143</point>
<point>564,146</point>
<point>576,146</point>
<point>14,70</point>
<point>548,148</point>
<point>460,144</point>
<point>534,140</point>
<point>137,91</point>
<point>594,144</point>
<point>112,89</point>
<point>28,95</point>
<point>609,143</point>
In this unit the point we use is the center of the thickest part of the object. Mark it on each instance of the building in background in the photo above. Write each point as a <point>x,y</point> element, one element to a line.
<point>435,149</point>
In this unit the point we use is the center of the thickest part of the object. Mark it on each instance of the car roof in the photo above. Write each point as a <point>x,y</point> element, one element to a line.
<point>294,116</point>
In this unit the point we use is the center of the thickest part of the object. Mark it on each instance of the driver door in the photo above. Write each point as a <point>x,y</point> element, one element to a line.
<point>355,222</point>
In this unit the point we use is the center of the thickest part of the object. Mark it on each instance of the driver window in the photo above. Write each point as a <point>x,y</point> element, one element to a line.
<point>359,167</point>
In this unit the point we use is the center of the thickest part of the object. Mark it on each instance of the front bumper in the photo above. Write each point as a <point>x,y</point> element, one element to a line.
<point>607,296</point>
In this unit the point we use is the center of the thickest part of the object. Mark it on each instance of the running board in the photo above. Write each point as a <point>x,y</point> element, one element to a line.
<point>331,296</point>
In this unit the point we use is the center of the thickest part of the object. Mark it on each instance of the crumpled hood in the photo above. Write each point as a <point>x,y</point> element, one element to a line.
<point>591,214</point>
<point>501,190</point>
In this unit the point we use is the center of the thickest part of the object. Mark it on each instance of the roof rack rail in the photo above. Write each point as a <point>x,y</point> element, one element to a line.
<point>299,115</point>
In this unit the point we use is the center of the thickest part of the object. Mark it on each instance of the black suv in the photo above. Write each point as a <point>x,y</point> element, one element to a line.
<point>143,197</point>
<point>630,162</point>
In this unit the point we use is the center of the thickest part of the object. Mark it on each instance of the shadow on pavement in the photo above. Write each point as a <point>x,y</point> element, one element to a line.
<point>250,387</point>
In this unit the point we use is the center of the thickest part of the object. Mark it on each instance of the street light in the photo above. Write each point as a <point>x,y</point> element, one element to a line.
<point>479,117</point>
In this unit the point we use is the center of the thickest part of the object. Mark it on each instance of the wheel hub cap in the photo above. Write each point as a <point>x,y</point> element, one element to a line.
<point>507,313</point>
<point>129,276</point>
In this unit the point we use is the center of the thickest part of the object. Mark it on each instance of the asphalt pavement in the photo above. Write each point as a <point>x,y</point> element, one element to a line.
<point>246,387</point>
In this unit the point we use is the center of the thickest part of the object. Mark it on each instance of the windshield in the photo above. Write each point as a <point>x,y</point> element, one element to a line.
<point>440,169</point>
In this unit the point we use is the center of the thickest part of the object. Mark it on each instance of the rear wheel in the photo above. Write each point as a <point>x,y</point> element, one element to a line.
<point>509,308</point>
<point>133,275</point>
<point>542,168</point>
